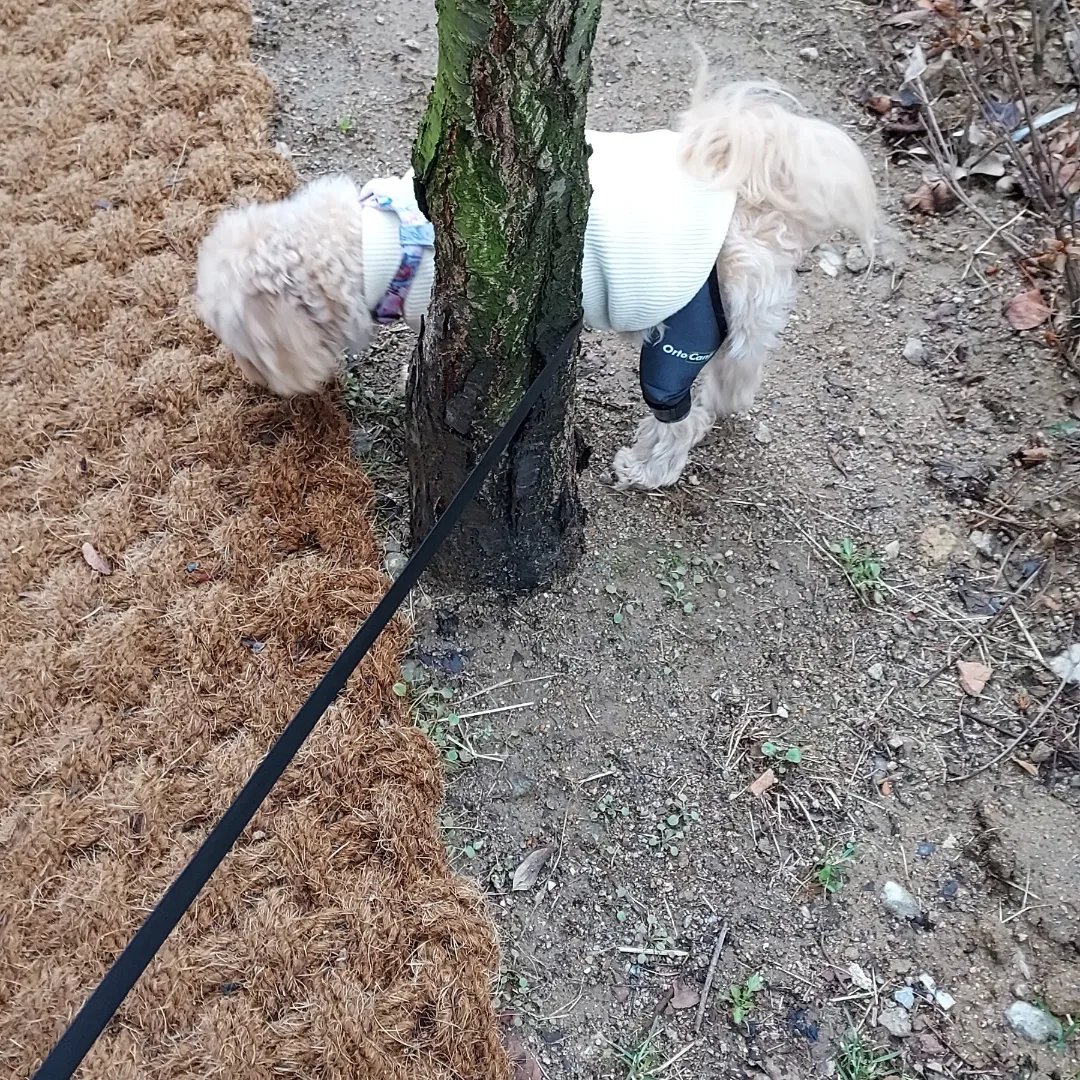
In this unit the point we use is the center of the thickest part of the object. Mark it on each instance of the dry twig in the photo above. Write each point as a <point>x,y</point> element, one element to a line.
<point>709,976</point>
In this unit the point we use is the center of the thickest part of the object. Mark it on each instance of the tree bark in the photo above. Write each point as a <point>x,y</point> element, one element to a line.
<point>501,171</point>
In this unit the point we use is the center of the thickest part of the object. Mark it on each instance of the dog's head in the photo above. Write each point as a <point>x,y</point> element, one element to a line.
<point>281,284</point>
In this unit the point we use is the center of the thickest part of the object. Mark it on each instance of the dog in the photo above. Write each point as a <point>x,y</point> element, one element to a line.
<point>692,246</point>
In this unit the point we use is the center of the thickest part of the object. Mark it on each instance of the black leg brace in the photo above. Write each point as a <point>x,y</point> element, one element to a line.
<point>691,339</point>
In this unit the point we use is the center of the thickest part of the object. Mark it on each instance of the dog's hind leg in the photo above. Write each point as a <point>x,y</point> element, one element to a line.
<point>758,285</point>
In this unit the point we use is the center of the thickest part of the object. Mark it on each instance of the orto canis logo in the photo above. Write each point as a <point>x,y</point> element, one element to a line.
<point>692,357</point>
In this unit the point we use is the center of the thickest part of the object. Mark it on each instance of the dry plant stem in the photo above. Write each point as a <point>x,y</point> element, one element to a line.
<point>1071,49</point>
<point>994,619</point>
<point>1039,11</point>
<point>1067,233</point>
<point>939,151</point>
<point>709,976</point>
<point>663,1067</point>
<point>1048,184</point>
<point>1025,734</point>
<point>1021,163</point>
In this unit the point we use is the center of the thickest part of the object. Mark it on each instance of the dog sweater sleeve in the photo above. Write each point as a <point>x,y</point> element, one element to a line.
<point>670,363</point>
<point>653,234</point>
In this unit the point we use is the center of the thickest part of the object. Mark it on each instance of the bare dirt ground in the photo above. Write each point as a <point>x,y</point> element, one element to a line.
<point>630,706</point>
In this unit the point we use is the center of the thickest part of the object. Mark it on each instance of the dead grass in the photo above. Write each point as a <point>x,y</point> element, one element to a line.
<point>334,941</point>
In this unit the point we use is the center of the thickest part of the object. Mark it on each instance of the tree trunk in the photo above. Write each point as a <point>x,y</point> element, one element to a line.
<point>501,171</point>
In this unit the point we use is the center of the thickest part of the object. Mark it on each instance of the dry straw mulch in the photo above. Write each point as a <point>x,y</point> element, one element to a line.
<point>334,942</point>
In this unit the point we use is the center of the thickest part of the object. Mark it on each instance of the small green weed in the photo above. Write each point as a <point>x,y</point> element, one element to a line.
<point>378,425</point>
<point>513,994</point>
<point>369,406</point>
<point>858,1060</point>
<point>778,752</point>
<point>677,594</point>
<point>1070,1028</point>
<point>623,609</point>
<point>649,933</point>
<point>346,125</point>
<point>457,849</point>
<point>678,572</point>
<point>671,830</point>
<point>433,714</point>
<point>606,809</point>
<point>742,995</point>
<point>862,570</point>
<point>832,873</point>
<point>641,1060</point>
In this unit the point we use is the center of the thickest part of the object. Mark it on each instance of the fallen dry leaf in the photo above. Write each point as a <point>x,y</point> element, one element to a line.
<point>932,197</point>
<point>763,783</point>
<point>1030,769</point>
<point>529,869</point>
<point>526,1067</point>
<point>94,560</point>
<point>684,997</point>
<point>1027,310</point>
<point>990,164</point>
<point>1027,457</point>
<point>1068,177</point>
<point>881,103</point>
<point>973,676</point>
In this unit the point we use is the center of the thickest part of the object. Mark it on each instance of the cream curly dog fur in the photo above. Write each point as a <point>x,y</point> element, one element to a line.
<point>282,284</point>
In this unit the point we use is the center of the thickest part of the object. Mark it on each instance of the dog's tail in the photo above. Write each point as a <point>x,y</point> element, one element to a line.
<point>747,136</point>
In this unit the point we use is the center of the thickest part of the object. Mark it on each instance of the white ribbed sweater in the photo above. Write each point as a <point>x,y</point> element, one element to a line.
<point>652,237</point>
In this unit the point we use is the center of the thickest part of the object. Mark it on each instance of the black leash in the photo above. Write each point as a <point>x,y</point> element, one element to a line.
<point>91,1019</point>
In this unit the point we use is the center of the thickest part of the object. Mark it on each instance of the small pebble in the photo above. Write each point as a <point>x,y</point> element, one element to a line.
<point>1032,1023</point>
<point>876,672</point>
<point>905,996</point>
<point>914,350</point>
<point>763,434</point>
<point>1041,752</point>
<point>899,902</point>
<point>895,1021</point>
<point>809,53</point>
<point>855,259</point>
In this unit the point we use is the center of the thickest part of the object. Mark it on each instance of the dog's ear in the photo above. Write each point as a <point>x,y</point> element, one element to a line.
<point>290,351</point>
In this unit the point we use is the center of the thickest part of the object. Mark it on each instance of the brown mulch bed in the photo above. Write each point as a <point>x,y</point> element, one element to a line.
<point>334,941</point>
